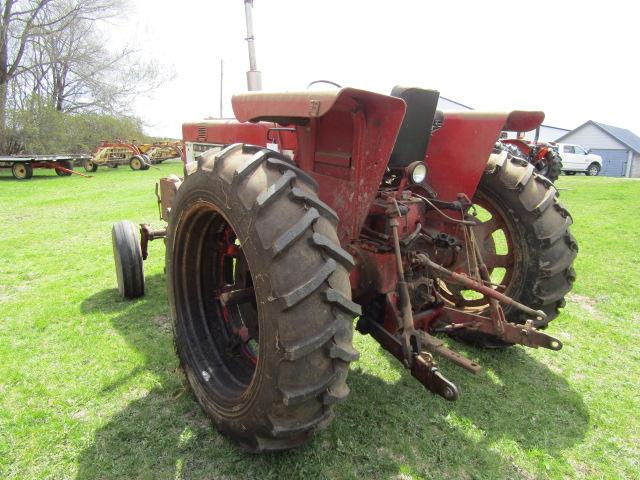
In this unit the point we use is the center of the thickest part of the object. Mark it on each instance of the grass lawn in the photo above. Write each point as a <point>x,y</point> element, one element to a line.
<point>89,384</point>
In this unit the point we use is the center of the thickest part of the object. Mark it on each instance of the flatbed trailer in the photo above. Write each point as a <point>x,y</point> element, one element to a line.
<point>22,166</point>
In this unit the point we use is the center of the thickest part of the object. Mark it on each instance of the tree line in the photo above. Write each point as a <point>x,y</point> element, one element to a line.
<point>61,88</point>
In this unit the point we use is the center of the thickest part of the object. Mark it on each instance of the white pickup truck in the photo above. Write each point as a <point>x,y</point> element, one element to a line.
<point>576,159</point>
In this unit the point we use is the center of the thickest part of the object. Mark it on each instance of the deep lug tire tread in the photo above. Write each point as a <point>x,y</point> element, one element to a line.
<point>542,225</point>
<point>554,168</point>
<point>310,308</point>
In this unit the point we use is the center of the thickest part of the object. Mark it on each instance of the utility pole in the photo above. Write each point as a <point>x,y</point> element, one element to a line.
<point>254,76</point>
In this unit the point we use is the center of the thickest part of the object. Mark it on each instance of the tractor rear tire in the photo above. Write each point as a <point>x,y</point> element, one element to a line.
<point>544,247</point>
<point>66,164</point>
<point>22,171</point>
<point>146,164</point>
<point>128,258</point>
<point>552,167</point>
<point>90,166</point>
<point>268,366</point>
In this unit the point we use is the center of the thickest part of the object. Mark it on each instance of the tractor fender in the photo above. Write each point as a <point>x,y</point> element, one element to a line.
<point>523,121</point>
<point>344,140</point>
<point>459,150</point>
<point>298,107</point>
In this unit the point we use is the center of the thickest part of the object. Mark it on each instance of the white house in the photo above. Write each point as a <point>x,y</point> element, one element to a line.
<point>618,147</point>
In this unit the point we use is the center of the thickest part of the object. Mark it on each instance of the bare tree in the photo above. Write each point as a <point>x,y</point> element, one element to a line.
<point>82,75</point>
<point>25,23</point>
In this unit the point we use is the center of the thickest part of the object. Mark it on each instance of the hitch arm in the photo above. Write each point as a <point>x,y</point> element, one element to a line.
<point>423,368</point>
<point>72,172</point>
<point>479,287</point>
<point>526,334</point>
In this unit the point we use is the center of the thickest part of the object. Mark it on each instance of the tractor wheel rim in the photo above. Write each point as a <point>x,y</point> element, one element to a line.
<point>21,171</point>
<point>136,163</point>
<point>235,290</point>
<point>224,336</point>
<point>488,239</point>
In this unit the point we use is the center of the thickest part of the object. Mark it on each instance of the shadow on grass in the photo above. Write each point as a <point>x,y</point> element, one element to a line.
<point>382,430</point>
<point>35,178</point>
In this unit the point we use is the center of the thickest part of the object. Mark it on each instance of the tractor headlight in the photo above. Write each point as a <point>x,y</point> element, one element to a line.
<point>417,172</point>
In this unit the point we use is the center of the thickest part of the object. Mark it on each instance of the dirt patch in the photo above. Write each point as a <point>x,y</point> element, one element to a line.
<point>163,322</point>
<point>80,415</point>
<point>589,304</point>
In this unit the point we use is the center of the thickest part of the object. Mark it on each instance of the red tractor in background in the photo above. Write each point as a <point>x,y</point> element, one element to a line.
<point>364,205</point>
<point>542,155</point>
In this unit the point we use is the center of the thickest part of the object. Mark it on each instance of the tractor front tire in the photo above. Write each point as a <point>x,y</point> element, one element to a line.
<point>259,292</point>
<point>544,250</point>
<point>128,258</point>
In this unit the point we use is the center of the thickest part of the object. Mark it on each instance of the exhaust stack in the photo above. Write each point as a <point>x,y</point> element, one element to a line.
<point>254,76</point>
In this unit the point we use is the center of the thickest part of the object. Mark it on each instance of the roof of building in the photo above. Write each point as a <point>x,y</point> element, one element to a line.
<point>471,108</point>
<point>556,128</point>
<point>457,103</point>
<point>624,136</point>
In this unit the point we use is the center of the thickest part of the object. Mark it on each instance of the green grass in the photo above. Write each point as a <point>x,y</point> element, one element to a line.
<point>90,386</point>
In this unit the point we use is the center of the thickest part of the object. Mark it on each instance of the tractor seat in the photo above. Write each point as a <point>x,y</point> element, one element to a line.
<point>419,121</point>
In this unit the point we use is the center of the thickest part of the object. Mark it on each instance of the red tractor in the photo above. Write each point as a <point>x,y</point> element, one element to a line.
<point>542,155</point>
<point>364,206</point>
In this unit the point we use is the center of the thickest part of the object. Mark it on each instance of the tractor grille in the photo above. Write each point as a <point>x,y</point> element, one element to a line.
<point>202,133</point>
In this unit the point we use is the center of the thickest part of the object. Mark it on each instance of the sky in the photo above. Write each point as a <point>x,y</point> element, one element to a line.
<point>577,61</point>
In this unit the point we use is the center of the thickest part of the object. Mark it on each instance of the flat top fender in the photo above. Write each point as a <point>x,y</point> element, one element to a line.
<point>297,107</point>
<point>523,121</point>
<point>344,140</point>
<point>459,151</point>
